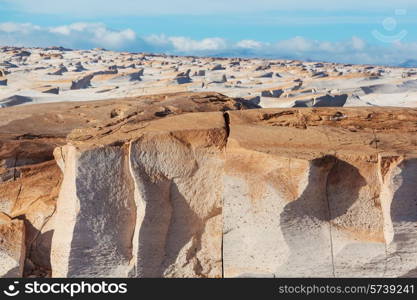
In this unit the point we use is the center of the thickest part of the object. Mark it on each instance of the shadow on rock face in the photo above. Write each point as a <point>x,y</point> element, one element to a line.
<point>38,251</point>
<point>343,185</point>
<point>410,274</point>
<point>333,187</point>
<point>403,213</point>
<point>324,101</point>
<point>13,273</point>
<point>185,226</point>
<point>168,225</point>
<point>404,202</point>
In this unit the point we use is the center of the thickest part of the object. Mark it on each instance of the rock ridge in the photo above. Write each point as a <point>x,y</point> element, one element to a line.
<point>169,190</point>
<point>333,171</point>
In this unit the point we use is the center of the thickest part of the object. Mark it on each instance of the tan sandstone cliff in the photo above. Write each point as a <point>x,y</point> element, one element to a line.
<point>155,191</point>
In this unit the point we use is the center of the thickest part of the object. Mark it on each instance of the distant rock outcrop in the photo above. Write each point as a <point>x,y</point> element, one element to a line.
<point>14,100</point>
<point>183,77</point>
<point>218,67</point>
<point>78,67</point>
<point>49,90</point>
<point>272,93</point>
<point>136,76</point>
<point>61,70</point>
<point>82,83</point>
<point>218,78</point>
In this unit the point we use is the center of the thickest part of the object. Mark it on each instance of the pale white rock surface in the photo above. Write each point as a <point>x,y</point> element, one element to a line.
<point>95,216</point>
<point>97,74</point>
<point>150,208</point>
<point>400,233</point>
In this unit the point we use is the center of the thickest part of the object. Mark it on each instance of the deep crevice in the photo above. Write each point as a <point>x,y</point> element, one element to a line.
<point>330,221</point>
<point>227,124</point>
<point>226,117</point>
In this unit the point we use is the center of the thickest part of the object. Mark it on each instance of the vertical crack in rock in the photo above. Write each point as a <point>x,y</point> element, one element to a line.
<point>386,166</point>
<point>330,219</point>
<point>381,180</point>
<point>154,211</point>
<point>134,239</point>
<point>19,192</point>
<point>14,167</point>
<point>226,117</point>
<point>226,124</point>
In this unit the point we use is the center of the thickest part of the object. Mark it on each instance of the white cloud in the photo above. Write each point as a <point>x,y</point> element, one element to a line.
<point>158,40</point>
<point>184,44</point>
<point>10,27</point>
<point>357,43</point>
<point>249,44</point>
<point>65,30</point>
<point>297,44</point>
<point>76,35</point>
<point>91,35</point>
<point>97,33</point>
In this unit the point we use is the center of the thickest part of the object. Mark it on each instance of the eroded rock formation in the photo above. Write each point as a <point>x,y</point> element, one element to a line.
<point>30,178</point>
<point>158,192</point>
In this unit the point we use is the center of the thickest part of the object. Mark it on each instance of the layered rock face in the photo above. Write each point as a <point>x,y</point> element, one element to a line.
<point>311,193</point>
<point>149,207</point>
<point>30,178</point>
<point>246,193</point>
<point>249,193</point>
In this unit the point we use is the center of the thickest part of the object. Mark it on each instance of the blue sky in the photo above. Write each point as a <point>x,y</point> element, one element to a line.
<point>379,32</point>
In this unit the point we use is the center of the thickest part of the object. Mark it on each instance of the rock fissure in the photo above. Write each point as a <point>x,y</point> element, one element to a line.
<point>221,194</point>
<point>227,124</point>
<point>330,225</point>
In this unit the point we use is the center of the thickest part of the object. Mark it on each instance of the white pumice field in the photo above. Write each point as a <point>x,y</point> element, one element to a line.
<point>55,74</point>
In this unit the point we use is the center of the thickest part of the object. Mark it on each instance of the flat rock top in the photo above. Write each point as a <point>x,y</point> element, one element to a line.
<point>306,131</point>
<point>27,130</point>
<point>58,119</point>
<point>293,131</point>
<point>297,132</point>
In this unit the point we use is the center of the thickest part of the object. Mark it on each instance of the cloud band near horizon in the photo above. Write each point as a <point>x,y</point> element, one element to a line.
<point>84,35</point>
